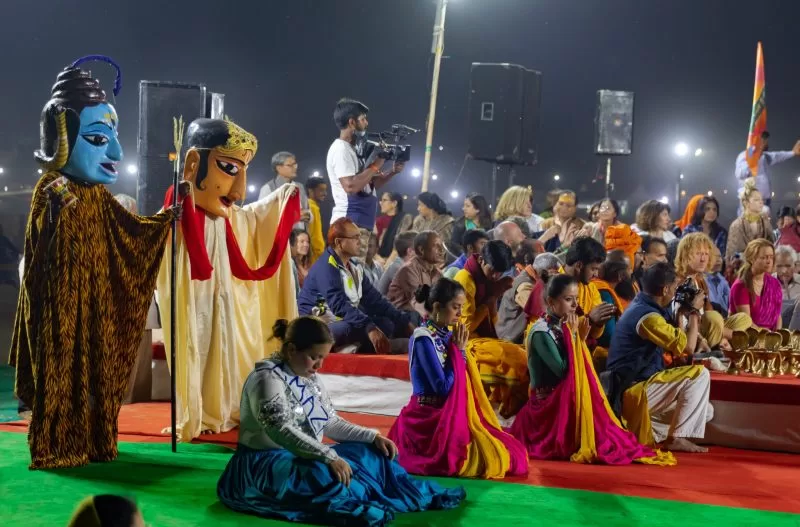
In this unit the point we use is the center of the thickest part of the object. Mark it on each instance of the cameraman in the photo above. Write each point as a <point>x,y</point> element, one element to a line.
<point>354,180</point>
<point>676,398</point>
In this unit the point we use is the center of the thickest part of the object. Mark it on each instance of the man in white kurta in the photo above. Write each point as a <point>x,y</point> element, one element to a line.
<point>228,301</point>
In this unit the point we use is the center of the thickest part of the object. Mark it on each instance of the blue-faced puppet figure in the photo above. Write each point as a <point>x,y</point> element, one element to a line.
<point>79,129</point>
<point>88,279</point>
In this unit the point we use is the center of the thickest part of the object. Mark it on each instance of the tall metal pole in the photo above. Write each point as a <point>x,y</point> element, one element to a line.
<point>608,178</point>
<point>438,48</point>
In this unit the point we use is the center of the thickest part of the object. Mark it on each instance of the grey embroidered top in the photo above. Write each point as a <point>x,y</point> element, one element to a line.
<point>282,410</point>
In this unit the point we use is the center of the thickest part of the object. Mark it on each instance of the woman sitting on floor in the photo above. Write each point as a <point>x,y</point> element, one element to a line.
<point>448,427</point>
<point>567,415</point>
<point>756,292</point>
<point>281,468</point>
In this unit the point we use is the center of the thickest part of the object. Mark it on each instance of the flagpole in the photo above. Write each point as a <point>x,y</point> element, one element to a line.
<point>438,44</point>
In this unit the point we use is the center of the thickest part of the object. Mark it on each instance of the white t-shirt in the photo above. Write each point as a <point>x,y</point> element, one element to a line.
<point>361,207</point>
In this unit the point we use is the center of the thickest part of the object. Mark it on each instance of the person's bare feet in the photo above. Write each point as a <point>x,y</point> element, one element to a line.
<point>680,444</point>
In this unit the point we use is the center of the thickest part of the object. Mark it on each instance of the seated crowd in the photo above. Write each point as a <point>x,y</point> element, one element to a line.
<point>528,337</point>
<point>504,269</point>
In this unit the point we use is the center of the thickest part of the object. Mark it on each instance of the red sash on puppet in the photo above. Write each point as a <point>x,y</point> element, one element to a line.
<point>193,228</point>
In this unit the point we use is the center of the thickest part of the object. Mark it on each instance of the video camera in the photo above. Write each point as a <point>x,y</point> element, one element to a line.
<point>387,144</point>
<point>686,293</point>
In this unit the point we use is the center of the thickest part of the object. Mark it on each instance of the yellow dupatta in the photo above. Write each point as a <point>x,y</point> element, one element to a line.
<point>584,419</point>
<point>487,457</point>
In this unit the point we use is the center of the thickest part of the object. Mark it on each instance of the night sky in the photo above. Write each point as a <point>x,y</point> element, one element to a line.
<point>283,65</point>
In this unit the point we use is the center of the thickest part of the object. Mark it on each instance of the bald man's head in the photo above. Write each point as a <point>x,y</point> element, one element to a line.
<point>509,233</point>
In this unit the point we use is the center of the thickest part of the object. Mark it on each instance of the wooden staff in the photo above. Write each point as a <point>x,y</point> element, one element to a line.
<point>177,141</point>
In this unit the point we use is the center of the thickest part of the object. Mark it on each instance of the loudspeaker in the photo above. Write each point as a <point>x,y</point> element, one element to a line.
<point>504,113</point>
<point>159,102</point>
<point>613,123</point>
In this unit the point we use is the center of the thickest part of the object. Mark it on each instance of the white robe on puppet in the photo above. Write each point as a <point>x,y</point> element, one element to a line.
<point>224,324</point>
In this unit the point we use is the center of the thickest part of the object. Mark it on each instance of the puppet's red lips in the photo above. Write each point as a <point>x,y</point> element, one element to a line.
<point>226,201</point>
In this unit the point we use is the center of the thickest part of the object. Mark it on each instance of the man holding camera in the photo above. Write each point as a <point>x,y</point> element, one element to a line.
<point>659,405</point>
<point>354,180</point>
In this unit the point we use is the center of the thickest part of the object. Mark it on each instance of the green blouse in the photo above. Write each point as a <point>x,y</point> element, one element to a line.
<point>547,354</point>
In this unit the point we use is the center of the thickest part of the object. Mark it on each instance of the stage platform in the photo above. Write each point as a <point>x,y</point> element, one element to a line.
<point>750,412</point>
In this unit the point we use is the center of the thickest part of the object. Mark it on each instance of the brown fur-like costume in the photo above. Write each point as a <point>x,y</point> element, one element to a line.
<point>89,275</point>
<point>87,286</point>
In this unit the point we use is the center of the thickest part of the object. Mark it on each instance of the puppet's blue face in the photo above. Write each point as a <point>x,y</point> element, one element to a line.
<point>97,152</point>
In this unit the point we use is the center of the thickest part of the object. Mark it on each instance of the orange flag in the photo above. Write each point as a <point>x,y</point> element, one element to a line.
<point>758,119</point>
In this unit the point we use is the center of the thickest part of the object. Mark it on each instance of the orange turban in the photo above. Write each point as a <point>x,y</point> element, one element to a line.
<point>688,213</point>
<point>623,238</point>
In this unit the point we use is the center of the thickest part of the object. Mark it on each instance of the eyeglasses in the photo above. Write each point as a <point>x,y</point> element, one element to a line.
<point>356,237</point>
<point>290,165</point>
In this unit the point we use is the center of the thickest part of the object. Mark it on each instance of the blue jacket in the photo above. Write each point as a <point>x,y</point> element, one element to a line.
<point>326,279</point>
<point>633,358</point>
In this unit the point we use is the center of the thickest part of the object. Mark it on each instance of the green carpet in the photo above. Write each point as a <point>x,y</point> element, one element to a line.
<point>179,490</point>
<point>8,403</point>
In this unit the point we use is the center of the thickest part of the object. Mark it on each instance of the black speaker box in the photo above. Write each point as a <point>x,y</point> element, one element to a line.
<point>504,113</point>
<point>613,123</point>
<point>159,102</point>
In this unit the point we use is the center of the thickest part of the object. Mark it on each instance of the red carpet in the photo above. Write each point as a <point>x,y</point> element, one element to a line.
<point>734,478</point>
<point>387,366</point>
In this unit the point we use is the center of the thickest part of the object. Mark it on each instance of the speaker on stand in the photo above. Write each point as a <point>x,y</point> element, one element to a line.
<point>613,128</point>
<point>159,102</point>
<point>504,116</point>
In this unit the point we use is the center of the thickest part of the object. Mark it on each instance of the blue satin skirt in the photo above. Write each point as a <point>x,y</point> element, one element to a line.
<point>278,484</point>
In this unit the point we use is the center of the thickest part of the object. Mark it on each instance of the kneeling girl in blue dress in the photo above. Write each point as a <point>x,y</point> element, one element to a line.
<point>281,468</point>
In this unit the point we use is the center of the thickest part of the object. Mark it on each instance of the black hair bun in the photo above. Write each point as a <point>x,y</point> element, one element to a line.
<point>422,293</point>
<point>280,328</point>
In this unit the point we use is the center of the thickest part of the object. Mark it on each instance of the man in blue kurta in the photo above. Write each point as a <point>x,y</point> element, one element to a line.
<point>658,404</point>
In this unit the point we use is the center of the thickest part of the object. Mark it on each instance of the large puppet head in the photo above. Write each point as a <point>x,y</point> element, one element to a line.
<point>78,128</point>
<point>216,163</point>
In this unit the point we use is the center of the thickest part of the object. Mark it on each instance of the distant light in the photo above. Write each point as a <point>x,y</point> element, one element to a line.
<point>40,171</point>
<point>725,191</point>
<point>681,149</point>
<point>405,196</point>
<point>681,176</point>
<point>132,169</point>
<point>683,192</point>
<point>415,172</point>
<point>453,194</point>
<point>5,189</point>
<point>316,173</point>
<point>698,152</point>
<point>441,148</point>
<point>773,194</point>
<point>556,177</point>
<point>798,179</point>
<point>710,193</point>
<point>2,170</point>
<point>251,188</point>
<point>664,200</point>
<point>434,177</point>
